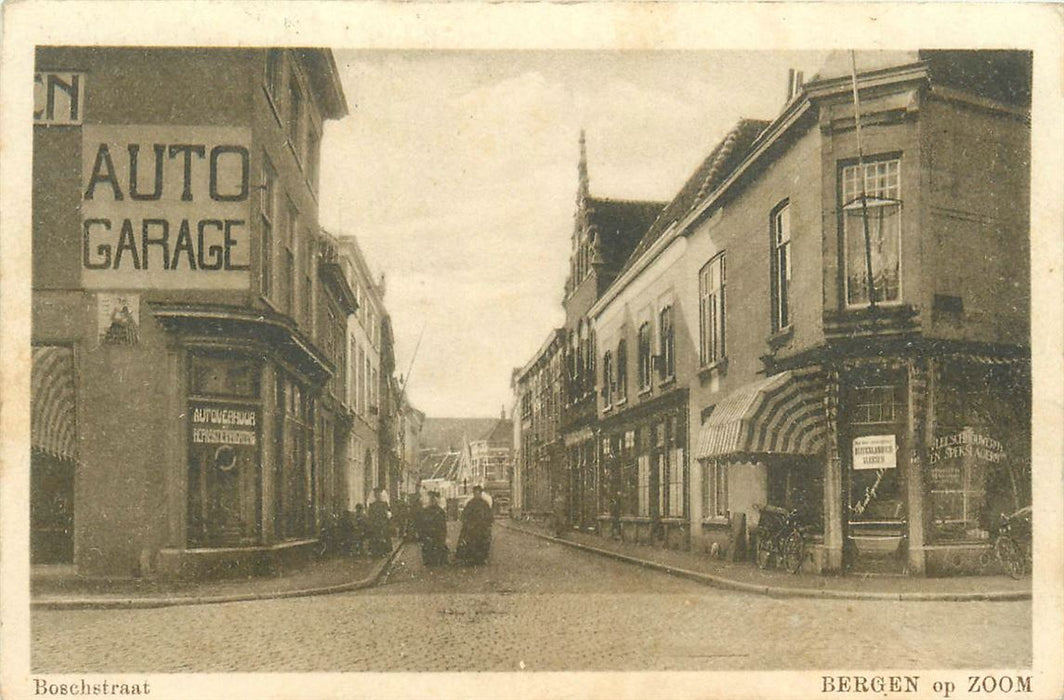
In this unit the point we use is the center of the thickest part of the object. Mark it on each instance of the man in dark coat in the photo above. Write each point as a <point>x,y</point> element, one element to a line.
<point>431,527</point>
<point>377,516</point>
<point>474,541</point>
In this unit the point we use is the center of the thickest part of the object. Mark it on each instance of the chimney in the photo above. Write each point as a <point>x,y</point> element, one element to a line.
<point>795,79</point>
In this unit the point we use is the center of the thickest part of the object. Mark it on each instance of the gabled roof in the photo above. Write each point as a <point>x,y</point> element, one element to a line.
<point>706,178</point>
<point>439,465</point>
<point>620,224</point>
<point>447,434</point>
<point>500,433</point>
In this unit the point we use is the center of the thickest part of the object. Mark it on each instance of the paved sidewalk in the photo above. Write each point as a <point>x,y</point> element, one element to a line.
<point>745,576</point>
<point>57,588</point>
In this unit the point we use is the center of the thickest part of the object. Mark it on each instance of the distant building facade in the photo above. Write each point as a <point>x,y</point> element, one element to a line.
<point>540,470</point>
<point>605,233</point>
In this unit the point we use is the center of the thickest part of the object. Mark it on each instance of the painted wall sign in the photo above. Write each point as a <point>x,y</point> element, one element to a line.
<point>214,424</point>
<point>165,207</point>
<point>966,443</point>
<point>875,452</point>
<point>58,98</point>
<point>118,318</point>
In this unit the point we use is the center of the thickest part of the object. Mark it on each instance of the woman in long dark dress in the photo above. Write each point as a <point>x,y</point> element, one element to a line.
<point>474,542</point>
<point>377,516</point>
<point>431,529</point>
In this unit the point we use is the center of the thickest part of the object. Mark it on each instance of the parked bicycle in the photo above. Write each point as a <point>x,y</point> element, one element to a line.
<point>1012,546</point>
<point>780,539</point>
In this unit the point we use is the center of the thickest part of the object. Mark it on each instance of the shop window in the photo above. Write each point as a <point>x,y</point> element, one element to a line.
<point>875,411</point>
<point>644,356</point>
<point>714,490</point>
<point>644,485</point>
<point>972,472</point>
<point>871,228</point>
<point>781,268</point>
<point>224,483</point>
<point>711,310</point>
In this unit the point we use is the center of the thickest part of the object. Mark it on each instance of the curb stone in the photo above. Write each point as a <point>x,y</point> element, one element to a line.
<point>778,591</point>
<point>101,603</point>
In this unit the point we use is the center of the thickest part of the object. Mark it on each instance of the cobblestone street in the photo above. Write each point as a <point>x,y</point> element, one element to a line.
<point>536,606</point>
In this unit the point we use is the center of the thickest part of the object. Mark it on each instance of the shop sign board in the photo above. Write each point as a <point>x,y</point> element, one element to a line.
<point>875,452</point>
<point>58,98</point>
<point>224,424</point>
<point>165,207</point>
<point>966,443</point>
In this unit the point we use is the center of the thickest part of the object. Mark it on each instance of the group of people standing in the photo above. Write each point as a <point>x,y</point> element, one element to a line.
<point>372,528</point>
<point>474,539</point>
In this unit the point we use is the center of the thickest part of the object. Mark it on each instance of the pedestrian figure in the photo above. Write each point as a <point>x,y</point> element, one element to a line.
<point>615,517</point>
<point>359,527</point>
<point>474,542</point>
<point>377,517</point>
<point>431,529</point>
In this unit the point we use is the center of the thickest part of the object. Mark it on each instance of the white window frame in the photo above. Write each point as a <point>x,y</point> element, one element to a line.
<point>781,267</point>
<point>882,190</point>
<point>712,310</point>
<point>714,490</point>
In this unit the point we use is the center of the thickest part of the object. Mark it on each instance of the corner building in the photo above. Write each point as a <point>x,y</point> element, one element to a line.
<point>848,322</point>
<point>180,354</point>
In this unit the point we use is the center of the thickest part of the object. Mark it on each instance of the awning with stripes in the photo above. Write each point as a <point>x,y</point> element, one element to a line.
<point>783,414</point>
<point>53,413</point>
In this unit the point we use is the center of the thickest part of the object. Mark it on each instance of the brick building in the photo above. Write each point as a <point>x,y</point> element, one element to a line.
<point>181,349</point>
<point>833,315</point>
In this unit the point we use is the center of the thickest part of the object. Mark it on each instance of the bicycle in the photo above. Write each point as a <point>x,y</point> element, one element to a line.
<point>1012,546</point>
<point>780,539</point>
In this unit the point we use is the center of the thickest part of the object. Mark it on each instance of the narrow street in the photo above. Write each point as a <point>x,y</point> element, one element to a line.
<point>536,606</point>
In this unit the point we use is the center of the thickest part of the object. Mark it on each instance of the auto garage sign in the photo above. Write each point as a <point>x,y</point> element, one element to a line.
<point>165,207</point>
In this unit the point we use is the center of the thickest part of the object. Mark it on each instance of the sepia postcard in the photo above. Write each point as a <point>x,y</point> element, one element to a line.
<point>531,350</point>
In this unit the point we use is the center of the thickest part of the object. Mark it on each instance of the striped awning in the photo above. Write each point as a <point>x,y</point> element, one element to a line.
<point>783,415</point>
<point>53,416</point>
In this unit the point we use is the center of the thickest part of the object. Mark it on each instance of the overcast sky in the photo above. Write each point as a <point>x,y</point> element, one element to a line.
<point>457,173</point>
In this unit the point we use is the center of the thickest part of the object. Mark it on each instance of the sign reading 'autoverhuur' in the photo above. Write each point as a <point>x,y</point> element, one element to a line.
<point>165,207</point>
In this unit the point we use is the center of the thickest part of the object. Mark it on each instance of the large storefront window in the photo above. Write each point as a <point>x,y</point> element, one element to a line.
<point>977,462</point>
<point>224,472</point>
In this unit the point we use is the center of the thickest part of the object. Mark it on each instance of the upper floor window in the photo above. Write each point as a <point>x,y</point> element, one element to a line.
<point>871,229</point>
<point>267,209</point>
<point>622,370</point>
<point>295,117</point>
<point>781,268</point>
<point>711,310</point>
<point>274,73</point>
<point>607,379</point>
<point>644,356</point>
<point>667,349</point>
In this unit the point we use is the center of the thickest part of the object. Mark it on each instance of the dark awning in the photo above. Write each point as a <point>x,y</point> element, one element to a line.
<point>53,412</point>
<point>783,415</point>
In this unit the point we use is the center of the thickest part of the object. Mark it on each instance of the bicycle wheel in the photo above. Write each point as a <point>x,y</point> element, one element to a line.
<point>793,551</point>
<point>765,550</point>
<point>1009,556</point>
